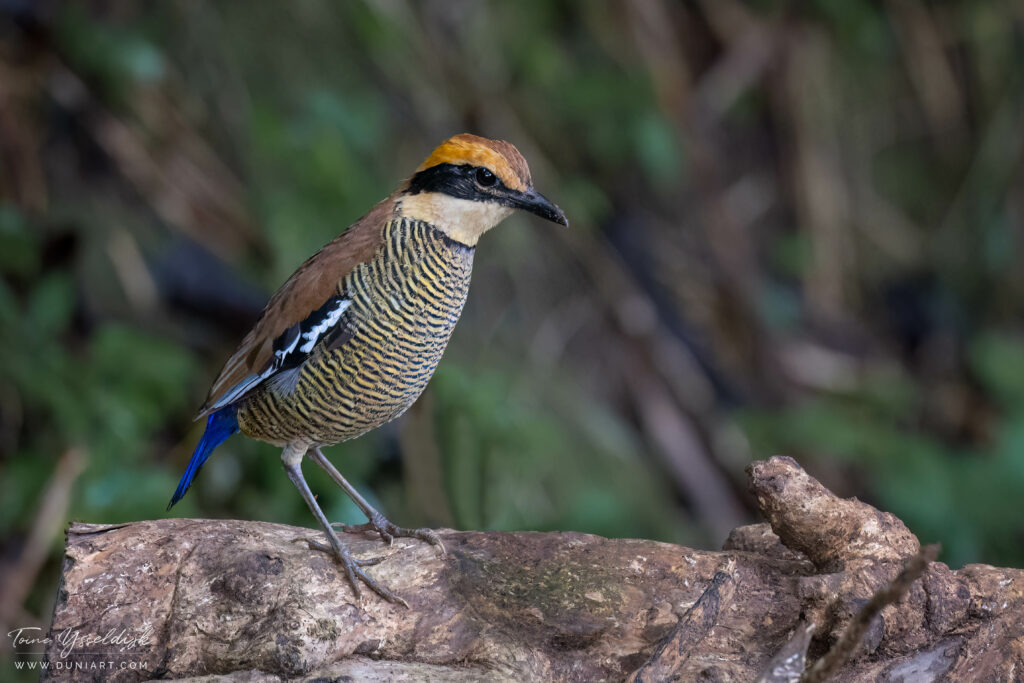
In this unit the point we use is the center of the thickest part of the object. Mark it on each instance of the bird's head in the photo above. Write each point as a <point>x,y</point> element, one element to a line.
<point>469,184</point>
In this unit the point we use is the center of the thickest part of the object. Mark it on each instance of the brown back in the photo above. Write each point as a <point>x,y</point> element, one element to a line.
<point>315,281</point>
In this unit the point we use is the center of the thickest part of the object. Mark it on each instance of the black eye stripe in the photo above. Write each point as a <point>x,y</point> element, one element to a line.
<point>460,181</point>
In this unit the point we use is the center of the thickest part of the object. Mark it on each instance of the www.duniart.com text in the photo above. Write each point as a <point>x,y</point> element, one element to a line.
<point>77,665</point>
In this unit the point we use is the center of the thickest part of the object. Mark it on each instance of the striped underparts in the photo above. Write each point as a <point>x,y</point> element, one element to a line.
<point>404,305</point>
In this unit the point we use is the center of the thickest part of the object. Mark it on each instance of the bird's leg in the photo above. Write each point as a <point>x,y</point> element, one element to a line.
<point>292,458</point>
<point>378,522</point>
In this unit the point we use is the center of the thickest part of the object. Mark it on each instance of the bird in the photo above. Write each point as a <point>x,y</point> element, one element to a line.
<point>353,336</point>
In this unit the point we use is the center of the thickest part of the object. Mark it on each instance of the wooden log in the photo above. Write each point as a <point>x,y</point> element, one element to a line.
<point>179,598</point>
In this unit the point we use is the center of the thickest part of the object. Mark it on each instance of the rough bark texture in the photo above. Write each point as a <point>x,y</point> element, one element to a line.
<point>244,601</point>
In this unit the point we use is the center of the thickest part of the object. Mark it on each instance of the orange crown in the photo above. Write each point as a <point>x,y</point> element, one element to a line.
<point>500,157</point>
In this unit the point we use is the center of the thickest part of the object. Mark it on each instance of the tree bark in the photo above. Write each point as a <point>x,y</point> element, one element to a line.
<point>180,598</point>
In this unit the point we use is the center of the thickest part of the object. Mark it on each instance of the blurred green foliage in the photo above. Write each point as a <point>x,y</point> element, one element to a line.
<point>800,223</point>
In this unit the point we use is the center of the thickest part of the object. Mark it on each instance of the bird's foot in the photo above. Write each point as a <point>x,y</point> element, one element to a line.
<point>325,548</point>
<point>353,570</point>
<point>389,532</point>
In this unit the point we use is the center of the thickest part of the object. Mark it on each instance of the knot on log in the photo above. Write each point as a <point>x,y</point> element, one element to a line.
<point>195,598</point>
<point>832,533</point>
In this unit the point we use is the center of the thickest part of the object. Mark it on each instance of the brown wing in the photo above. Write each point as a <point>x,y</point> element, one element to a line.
<point>307,289</point>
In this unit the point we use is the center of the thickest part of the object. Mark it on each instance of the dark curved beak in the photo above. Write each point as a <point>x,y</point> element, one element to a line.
<point>538,204</point>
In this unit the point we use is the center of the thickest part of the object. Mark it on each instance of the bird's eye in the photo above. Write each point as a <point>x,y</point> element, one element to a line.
<point>485,177</point>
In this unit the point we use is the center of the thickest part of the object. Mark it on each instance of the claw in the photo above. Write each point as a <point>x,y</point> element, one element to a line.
<point>361,528</point>
<point>389,532</point>
<point>354,571</point>
<point>324,548</point>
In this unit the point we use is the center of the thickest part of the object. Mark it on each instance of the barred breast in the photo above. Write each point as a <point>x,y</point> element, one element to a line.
<point>405,303</point>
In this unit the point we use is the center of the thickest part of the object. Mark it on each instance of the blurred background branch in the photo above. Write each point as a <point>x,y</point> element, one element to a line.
<point>796,228</point>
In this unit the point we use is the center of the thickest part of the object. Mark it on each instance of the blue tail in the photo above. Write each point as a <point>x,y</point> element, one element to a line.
<point>219,426</point>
